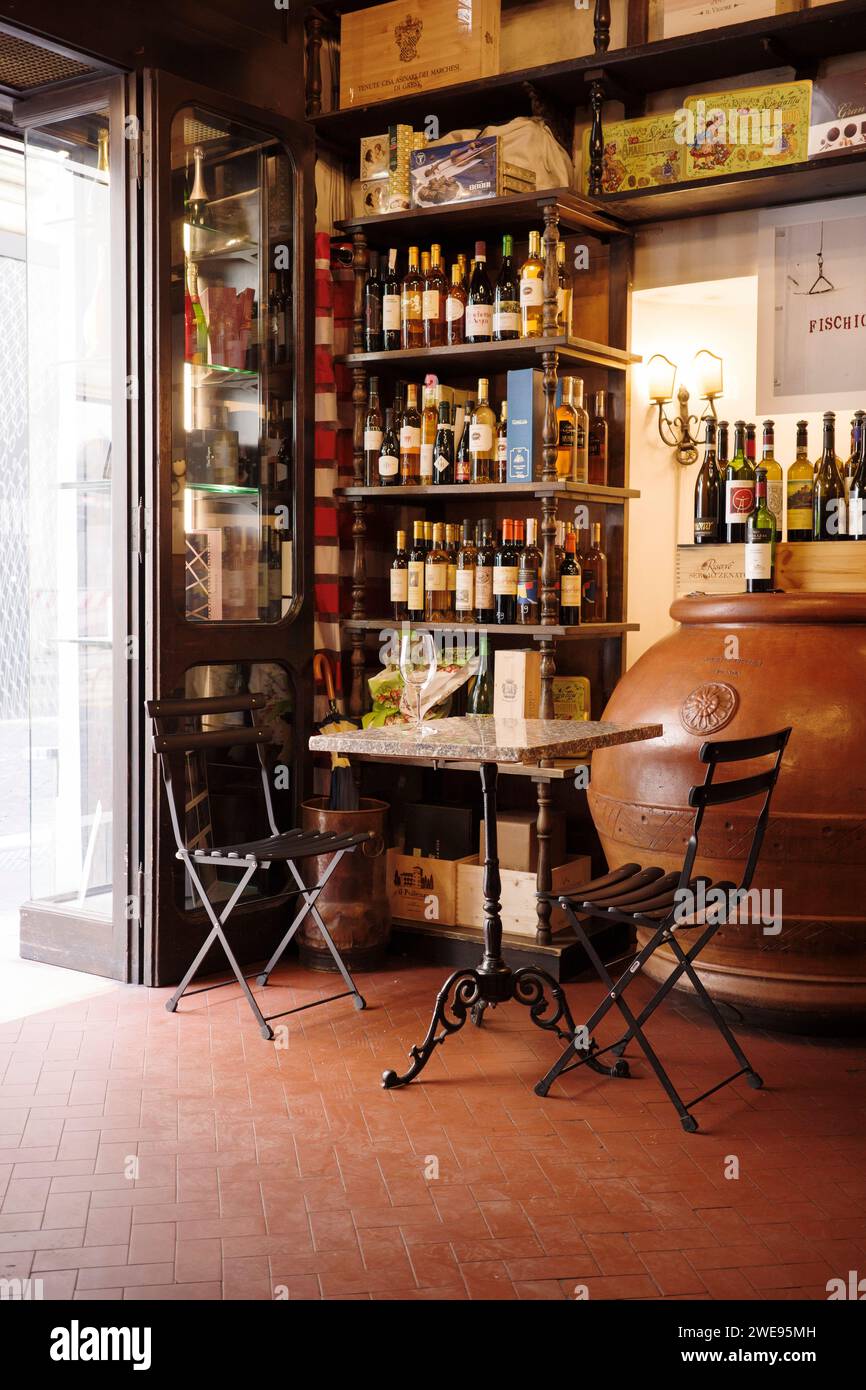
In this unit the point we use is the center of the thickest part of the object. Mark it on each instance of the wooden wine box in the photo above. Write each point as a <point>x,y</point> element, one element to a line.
<point>423,889</point>
<point>668,19</point>
<point>405,47</point>
<point>810,567</point>
<point>519,904</point>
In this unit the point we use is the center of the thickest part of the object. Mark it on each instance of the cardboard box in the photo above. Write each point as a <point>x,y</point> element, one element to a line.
<point>571,697</point>
<point>448,832</point>
<point>519,903</point>
<point>749,128</point>
<point>374,157</point>
<point>398,48</point>
<point>464,172</point>
<point>423,890</point>
<point>517,684</point>
<point>642,153</point>
<point>525,391</point>
<point>517,839</point>
<point>838,119</point>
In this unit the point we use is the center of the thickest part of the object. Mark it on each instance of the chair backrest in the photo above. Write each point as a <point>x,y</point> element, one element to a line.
<point>712,793</point>
<point>165,743</point>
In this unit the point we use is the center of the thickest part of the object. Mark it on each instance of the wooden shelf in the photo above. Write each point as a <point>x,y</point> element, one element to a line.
<point>799,40</point>
<point>518,212</point>
<point>477,492</point>
<point>497,357</point>
<point>587,632</point>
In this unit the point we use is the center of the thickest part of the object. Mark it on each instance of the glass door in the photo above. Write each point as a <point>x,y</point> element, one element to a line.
<point>81,654</point>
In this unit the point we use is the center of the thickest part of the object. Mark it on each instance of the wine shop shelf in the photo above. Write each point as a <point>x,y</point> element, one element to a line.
<point>476,492</point>
<point>497,357</point>
<point>586,632</point>
<point>515,213</point>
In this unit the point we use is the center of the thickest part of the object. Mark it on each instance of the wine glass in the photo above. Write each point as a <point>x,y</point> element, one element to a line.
<point>417,662</point>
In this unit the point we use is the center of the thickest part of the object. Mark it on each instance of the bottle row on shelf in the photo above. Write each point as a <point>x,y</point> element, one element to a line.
<point>224,327</point>
<point>823,501</point>
<point>215,457</point>
<point>476,574</point>
<point>455,436</point>
<point>426,307</point>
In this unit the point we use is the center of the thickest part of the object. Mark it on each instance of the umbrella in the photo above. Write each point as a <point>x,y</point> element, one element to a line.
<point>343,795</point>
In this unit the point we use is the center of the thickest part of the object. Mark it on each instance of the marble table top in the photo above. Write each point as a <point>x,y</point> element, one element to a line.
<point>486,739</point>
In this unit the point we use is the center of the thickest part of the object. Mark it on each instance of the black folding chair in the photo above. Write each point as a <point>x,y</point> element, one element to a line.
<point>286,847</point>
<point>651,898</point>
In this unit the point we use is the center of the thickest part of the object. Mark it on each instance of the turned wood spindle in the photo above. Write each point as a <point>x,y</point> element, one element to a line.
<point>314,32</point>
<point>596,137</point>
<point>360,265</point>
<point>601,26</point>
<point>359,410</point>
<point>359,563</point>
<point>544,871</point>
<point>551,274</point>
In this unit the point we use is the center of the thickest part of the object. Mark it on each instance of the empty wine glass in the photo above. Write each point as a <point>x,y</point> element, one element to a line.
<point>417,663</point>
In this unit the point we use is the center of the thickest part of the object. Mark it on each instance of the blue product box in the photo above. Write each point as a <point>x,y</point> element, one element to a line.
<point>525,424</point>
<point>458,173</point>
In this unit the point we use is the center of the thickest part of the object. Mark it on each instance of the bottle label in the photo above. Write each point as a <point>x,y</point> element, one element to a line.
<point>389,465</point>
<point>426,460</point>
<point>430,304</point>
<point>505,580</point>
<point>483,587</point>
<point>774,500</point>
<point>571,591</point>
<point>739,499</point>
<point>501,448</point>
<point>563,309</point>
<point>399,586</point>
<point>436,576</point>
<point>372,441</point>
<point>855,516</point>
<point>464,599</point>
<point>759,557</point>
<point>440,463</point>
<point>453,309</point>
<point>506,321</point>
<point>410,439</point>
<point>800,497</point>
<point>480,438</point>
<point>391,312</point>
<point>411,305</point>
<point>531,291</point>
<point>463,471</point>
<point>415,584</point>
<point>706,525</point>
<point>479,320</point>
<point>566,434</point>
<point>527,587</point>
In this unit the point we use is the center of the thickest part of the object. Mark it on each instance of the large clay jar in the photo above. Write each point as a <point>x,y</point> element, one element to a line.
<point>737,666</point>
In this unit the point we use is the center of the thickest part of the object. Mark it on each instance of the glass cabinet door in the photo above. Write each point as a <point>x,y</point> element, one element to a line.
<point>233,371</point>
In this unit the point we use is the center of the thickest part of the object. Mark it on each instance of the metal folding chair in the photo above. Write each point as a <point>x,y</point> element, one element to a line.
<point>651,898</point>
<point>287,847</point>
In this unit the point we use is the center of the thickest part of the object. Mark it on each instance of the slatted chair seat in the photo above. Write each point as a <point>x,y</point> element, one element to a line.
<point>291,844</point>
<point>650,897</point>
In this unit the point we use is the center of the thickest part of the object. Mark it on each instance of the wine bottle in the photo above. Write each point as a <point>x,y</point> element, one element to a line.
<point>463,456</point>
<point>829,522</point>
<point>433,302</point>
<point>570,589</point>
<point>528,577</point>
<point>429,428</point>
<point>800,488</point>
<point>373,307</point>
<point>196,329</point>
<point>481,698</point>
<point>467,558</point>
<point>850,466</point>
<point>773,470</point>
<point>486,551</point>
<point>482,436</point>
<point>479,305</point>
<point>505,566</point>
<point>455,309</point>
<point>506,305</point>
<point>452,545</point>
<point>708,493</point>
<point>760,540</point>
<point>411,297</point>
<point>416,567</point>
<point>597,441</point>
<point>391,314</point>
<point>857,495</point>
<point>443,448</point>
<point>566,433</point>
<point>594,580</point>
<point>502,444</point>
<point>198,194</point>
<point>388,465</point>
<point>410,440</point>
<point>532,290</point>
<point>400,580</point>
<point>373,434</point>
<point>564,291</point>
<point>581,434</point>
<point>739,488</point>
<point>436,606</point>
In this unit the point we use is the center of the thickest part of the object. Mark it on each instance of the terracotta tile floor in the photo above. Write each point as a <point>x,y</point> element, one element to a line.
<point>145,1155</point>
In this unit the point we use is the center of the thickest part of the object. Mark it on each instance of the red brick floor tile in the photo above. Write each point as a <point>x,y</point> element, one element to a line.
<point>488,1280</point>
<point>198,1261</point>
<point>617,1286</point>
<point>673,1274</point>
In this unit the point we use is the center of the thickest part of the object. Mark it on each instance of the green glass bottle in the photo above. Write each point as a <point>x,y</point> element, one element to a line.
<point>739,488</point>
<point>481,698</point>
<point>829,522</point>
<point>760,541</point>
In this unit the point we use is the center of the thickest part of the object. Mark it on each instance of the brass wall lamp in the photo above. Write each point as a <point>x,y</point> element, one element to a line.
<point>682,433</point>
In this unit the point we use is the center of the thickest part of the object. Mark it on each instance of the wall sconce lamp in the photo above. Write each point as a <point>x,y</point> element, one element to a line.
<point>681,432</point>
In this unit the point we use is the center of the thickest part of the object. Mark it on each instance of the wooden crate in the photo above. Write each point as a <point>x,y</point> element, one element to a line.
<point>403,47</point>
<point>519,911</point>
<point>669,18</point>
<point>810,567</point>
<point>421,889</point>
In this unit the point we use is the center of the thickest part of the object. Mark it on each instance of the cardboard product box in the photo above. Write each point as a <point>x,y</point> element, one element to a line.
<point>838,119</point>
<point>517,839</point>
<point>641,153</point>
<point>525,392</point>
<point>749,128</point>
<point>446,832</point>
<point>401,47</point>
<point>517,684</point>
<point>670,18</point>
<point>423,890</point>
<point>462,172</point>
<point>571,697</point>
<point>374,157</point>
<point>519,903</point>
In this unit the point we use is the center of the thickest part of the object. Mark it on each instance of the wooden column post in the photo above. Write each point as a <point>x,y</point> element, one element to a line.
<point>601,26</point>
<point>596,136</point>
<point>544,872</point>
<point>314,28</point>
